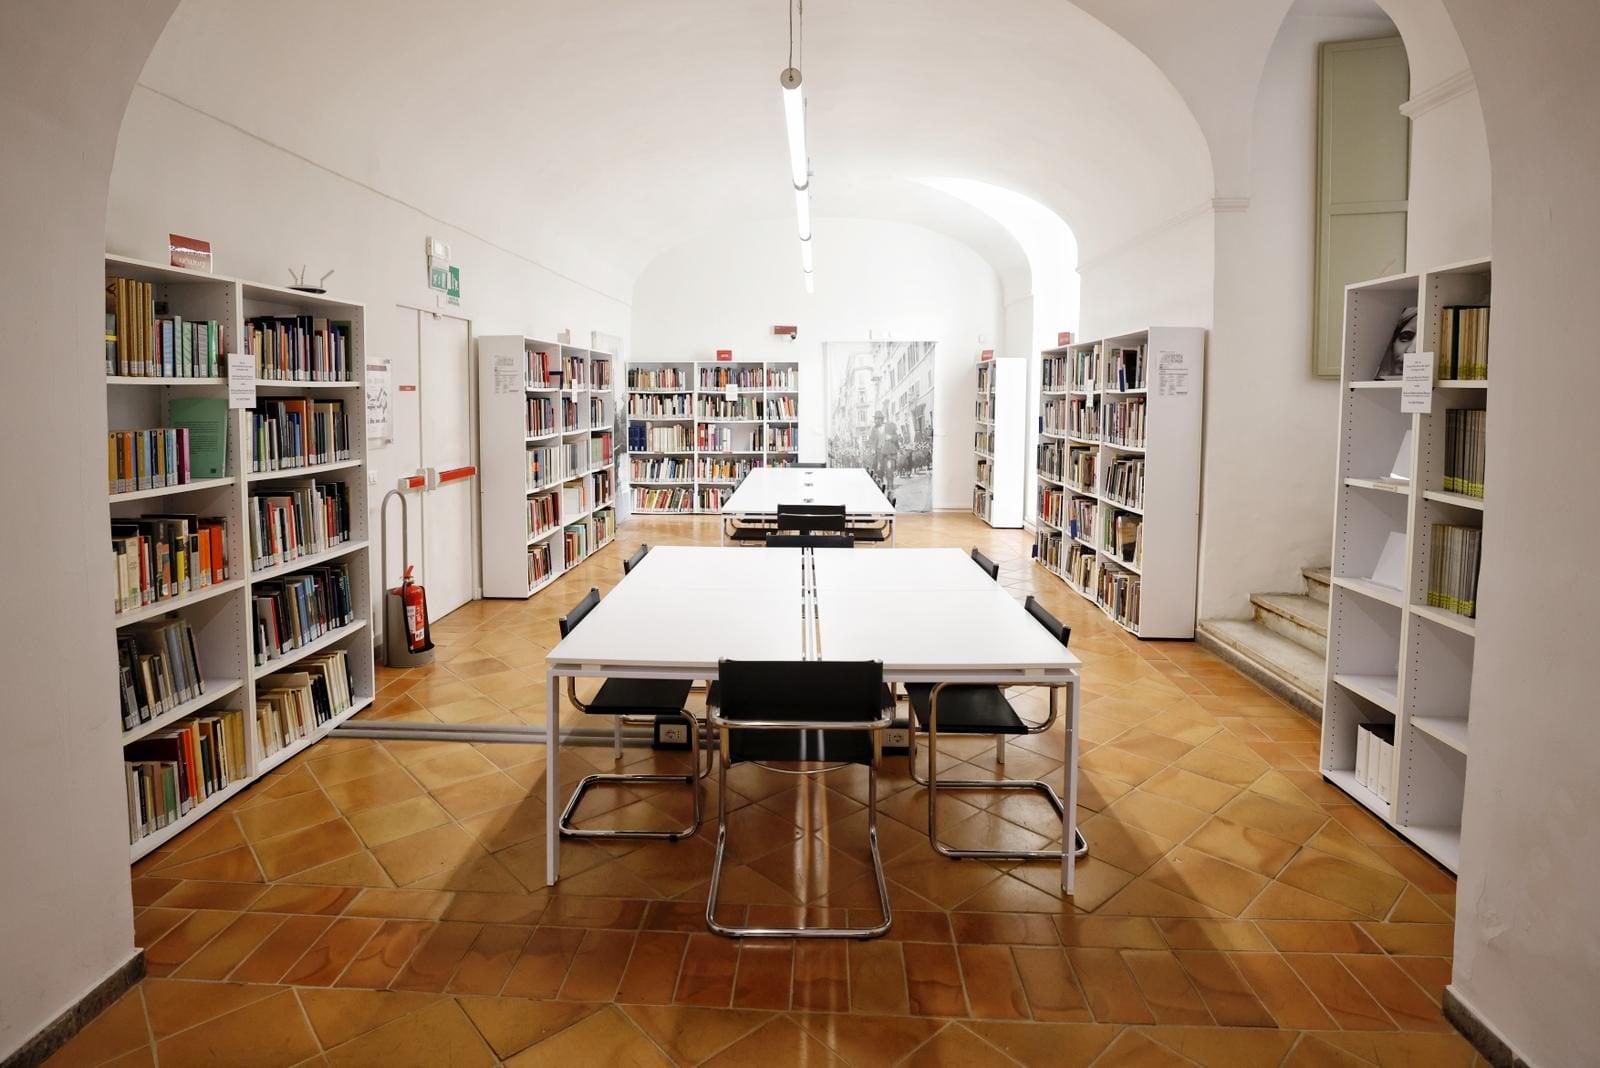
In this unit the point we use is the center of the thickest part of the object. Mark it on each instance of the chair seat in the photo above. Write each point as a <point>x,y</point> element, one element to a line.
<point>627,697</point>
<point>749,533</point>
<point>870,533</point>
<point>970,709</point>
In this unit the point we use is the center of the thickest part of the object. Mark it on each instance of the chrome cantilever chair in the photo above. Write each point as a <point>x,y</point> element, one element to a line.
<point>973,709</point>
<point>831,711</point>
<point>631,697</point>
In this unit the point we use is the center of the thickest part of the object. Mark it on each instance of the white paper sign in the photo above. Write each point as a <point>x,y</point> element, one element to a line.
<point>379,427</point>
<point>1416,384</point>
<point>731,392</point>
<point>241,380</point>
<point>1172,374</point>
<point>508,375</point>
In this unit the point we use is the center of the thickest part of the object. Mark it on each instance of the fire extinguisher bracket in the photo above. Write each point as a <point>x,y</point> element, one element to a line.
<point>397,645</point>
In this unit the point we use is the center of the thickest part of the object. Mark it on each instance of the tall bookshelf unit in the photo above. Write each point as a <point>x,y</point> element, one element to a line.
<point>221,615</point>
<point>546,428</point>
<point>697,428</point>
<point>1393,659</point>
<point>999,414</point>
<point>1118,474</point>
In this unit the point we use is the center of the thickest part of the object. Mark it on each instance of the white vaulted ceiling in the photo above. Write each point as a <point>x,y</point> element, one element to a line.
<point>593,136</point>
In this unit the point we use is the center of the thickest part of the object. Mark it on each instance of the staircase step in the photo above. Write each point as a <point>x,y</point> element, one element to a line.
<point>1285,667</point>
<point>1318,579</point>
<point>1297,617</point>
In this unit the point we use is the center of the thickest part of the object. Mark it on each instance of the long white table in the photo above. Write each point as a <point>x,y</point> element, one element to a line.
<point>929,615</point>
<point>765,488</point>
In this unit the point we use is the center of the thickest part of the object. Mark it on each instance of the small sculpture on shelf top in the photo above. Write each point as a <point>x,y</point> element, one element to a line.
<point>299,282</point>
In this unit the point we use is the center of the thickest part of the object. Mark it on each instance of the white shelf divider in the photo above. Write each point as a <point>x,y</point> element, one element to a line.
<point>1000,409</point>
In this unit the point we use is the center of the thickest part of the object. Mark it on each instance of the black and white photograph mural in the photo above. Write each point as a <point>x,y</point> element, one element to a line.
<point>880,416</point>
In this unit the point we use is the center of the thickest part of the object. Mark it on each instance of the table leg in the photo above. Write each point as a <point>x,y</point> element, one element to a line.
<point>552,780</point>
<point>1069,819</point>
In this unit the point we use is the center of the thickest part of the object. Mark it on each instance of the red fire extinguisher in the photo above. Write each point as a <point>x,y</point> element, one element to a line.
<point>416,607</point>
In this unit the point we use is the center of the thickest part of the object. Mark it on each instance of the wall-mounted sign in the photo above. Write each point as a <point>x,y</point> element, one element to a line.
<point>1064,337</point>
<point>241,380</point>
<point>380,428</point>
<point>190,253</point>
<point>725,355</point>
<point>452,291</point>
<point>986,355</point>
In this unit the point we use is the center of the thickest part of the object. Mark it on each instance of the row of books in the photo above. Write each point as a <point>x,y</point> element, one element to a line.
<point>599,373</point>
<point>147,459</point>
<point>643,438</point>
<point>171,772</point>
<point>575,457</point>
<point>709,438</point>
<point>1053,416</point>
<point>544,515</point>
<point>662,378</point>
<point>1465,450</point>
<point>574,498</point>
<point>653,499</point>
<point>541,563</point>
<point>1453,568</point>
<point>1052,506</point>
<point>712,498</point>
<point>1083,566</point>
<point>715,407</point>
<point>603,526</point>
<point>575,542</point>
<point>159,558</point>
<point>544,370</point>
<point>158,668</point>
<point>783,438</point>
<point>569,414</point>
<point>291,705</point>
<point>601,487</point>
<point>1375,758</point>
<point>983,442</point>
<point>1081,470</point>
<point>983,408</point>
<point>664,469</point>
<point>710,469</point>
<point>1124,480</point>
<point>1053,376</point>
<point>1124,421</point>
<point>981,500</point>
<point>293,612</point>
<point>544,467</point>
<point>1048,459</point>
<point>1120,535</point>
<point>1125,368</point>
<point>1117,592</point>
<point>600,449</point>
<point>140,343</point>
<point>597,411</point>
<point>1081,366</point>
<point>302,348</point>
<point>660,405</point>
<point>782,407</point>
<point>1079,517</point>
<point>541,417</point>
<point>575,370</point>
<point>296,432</point>
<point>1463,342</point>
<point>723,377</point>
<point>787,378</point>
<point>289,522</point>
<point>985,473</point>
<point>1047,548</point>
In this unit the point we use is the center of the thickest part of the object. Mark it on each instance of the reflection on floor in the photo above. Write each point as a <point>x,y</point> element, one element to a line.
<point>384,903</point>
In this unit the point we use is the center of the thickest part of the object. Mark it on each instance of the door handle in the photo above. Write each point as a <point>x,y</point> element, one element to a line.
<point>454,474</point>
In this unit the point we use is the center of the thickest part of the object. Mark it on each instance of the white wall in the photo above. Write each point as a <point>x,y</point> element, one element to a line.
<point>264,209</point>
<point>889,280</point>
<point>1450,196</point>
<point>1527,931</point>
<point>1160,278</point>
<point>66,919</point>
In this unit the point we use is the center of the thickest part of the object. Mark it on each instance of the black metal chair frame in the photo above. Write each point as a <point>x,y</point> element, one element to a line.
<point>934,784</point>
<point>810,541</point>
<point>691,780</point>
<point>724,729</point>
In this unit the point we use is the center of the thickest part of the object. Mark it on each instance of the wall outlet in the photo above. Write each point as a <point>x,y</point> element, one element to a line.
<point>897,738</point>
<point>671,733</point>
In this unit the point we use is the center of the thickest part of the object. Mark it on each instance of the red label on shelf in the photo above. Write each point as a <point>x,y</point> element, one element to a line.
<point>1064,337</point>
<point>986,354</point>
<point>407,389</point>
<point>725,355</point>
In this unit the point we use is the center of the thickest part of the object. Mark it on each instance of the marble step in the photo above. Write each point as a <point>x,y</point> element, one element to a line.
<point>1317,582</point>
<point>1296,616</point>
<point>1282,665</point>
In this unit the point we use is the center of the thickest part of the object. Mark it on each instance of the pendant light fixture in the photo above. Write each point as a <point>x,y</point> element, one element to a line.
<point>794,121</point>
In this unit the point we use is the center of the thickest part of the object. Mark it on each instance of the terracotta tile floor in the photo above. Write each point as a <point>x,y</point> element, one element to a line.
<point>375,903</point>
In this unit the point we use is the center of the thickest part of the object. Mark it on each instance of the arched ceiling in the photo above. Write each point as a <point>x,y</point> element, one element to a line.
<point>592,136</point>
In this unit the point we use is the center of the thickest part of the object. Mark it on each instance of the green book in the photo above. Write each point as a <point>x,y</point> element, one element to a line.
<point>206,419</point>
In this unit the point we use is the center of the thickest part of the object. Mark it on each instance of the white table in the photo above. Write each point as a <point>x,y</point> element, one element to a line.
<point>765,488</point>
<point>682,610</point>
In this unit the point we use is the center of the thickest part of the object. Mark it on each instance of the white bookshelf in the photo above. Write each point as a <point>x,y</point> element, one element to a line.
<point>1000,412</point>
<point>553,404</point>
<point>1146,585</point>
<point>1393,659</point>
<point>709,426</point>
<point>220,615</point>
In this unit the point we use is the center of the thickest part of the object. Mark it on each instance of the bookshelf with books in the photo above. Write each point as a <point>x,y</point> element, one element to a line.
<point>217,514</point>
<point>999,416</point>
<point>661,416</point>
<point>547,457</point>
<point>1407,540</point>
<point>1117,474</point>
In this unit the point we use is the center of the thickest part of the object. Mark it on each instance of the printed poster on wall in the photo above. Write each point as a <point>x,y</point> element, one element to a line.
<point>380,425</point>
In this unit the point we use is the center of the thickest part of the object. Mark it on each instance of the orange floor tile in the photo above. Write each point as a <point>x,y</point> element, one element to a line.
<point>383,903</point>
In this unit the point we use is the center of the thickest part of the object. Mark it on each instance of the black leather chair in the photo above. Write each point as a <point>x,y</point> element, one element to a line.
<point>990,568</point>
<point>830,712</point>
<point>631,697</point>
<point>639,554</point>
<point>808,467</point>
<point>810,519</point>
<point>810,541</point>
<point>972,709</point>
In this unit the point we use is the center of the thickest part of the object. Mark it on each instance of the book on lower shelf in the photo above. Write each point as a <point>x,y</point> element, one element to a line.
<point>292,612</point>
<point>1453,557</point>
<point>543,463</point>
<point>301,348</point>
<point>297,520</point>
<point>654,499</point>
<point>1465,432</point>
<point>1125,369</point>
<point>291,705</point>
<point>159,558</point>
<point>1463,342</point>
<point>158,669</point>
<point>169,773</point>
<point>1118,594</point>
<point>540,563</point>
<point>1375,758</point>
<point>295,432</point>
<point>147,459</point>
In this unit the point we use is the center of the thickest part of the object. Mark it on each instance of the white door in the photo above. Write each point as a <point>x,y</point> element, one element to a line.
<point>447,436</point>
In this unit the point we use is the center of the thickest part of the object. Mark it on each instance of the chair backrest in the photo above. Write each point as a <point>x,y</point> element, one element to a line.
<point>833,691</point>
<point>1058,630</point>
<point>811,518</point>
<point>810,541</point>
<point>633,561</point>
<point>988,565</point>
<point>570,621</point>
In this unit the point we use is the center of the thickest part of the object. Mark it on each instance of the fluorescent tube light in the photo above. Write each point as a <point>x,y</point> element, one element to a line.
<point>794,118</point>
<point>805,256</point>
<point>802,208</point>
